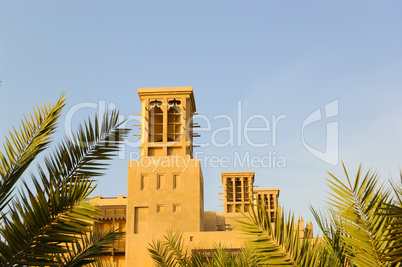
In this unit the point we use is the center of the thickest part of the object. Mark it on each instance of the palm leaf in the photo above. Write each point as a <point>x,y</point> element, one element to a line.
<point>394,212</point>
<point>278,243</point>
<point>223,257</point>
<point>24,144</point>
<point>86,154</point>
<point>363,229</point>
<point>89,248</point>
<point>170,252</point>
<point>44,221</point>
<point>335,250</point>
<point>41,224</point>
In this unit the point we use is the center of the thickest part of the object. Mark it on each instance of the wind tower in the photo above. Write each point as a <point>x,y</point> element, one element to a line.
<point>166,125</point>
<point>165,186</point>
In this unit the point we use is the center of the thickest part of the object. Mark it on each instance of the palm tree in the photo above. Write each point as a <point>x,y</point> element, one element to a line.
<point>279,243</point>
<point>364,223</point>
<point>393,210</point>
<point>268,245</point>
<point>51,222</point>
<point>171,252</point>
<point>362,227</point>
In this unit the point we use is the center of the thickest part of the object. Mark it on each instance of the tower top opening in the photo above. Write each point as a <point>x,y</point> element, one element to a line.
<point>167,121</point>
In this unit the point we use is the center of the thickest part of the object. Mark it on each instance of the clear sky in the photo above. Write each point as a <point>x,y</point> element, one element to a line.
<point>273,58</point>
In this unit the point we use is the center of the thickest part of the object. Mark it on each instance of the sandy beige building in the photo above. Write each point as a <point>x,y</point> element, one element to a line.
<point>165,188</point>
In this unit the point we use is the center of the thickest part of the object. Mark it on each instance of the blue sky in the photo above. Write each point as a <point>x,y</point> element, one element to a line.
<point>275,57</point>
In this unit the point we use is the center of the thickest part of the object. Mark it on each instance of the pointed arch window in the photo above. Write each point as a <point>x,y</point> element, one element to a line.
<point>155,122</point>
<point>174,120</point>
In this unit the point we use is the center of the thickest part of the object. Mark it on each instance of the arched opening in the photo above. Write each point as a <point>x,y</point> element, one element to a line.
<point>174,121</point>
<point>156,122</point>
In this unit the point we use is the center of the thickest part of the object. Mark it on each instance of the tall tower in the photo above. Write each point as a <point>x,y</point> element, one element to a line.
<point>166,125</point>
<point>165,187</point>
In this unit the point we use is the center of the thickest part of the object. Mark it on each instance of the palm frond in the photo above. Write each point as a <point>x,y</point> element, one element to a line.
<point>246,257</point>
<point>223,257</point>
<point>199,259</point>
<point>363,229</point>
<point>89,248</point>
<point>24,144</point>
<point>278,243</point>
<point>41,222</point>
<point>334,252</point>
<point>393,252</point>
<point>394,212</point>
<point>170,252</point>
<point>174,243</point>
<point>161,255</point>
<point>102,262</point>
<point>86,155</point>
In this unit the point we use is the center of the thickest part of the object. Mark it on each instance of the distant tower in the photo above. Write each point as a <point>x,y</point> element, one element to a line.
<point>237,191</point>
<point>300,225</point>
<point>270,197</point>
<point>164,187</point>
<point>308,231</point>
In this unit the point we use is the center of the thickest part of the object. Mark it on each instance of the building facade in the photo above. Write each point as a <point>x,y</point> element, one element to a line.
<point>165,187</point>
